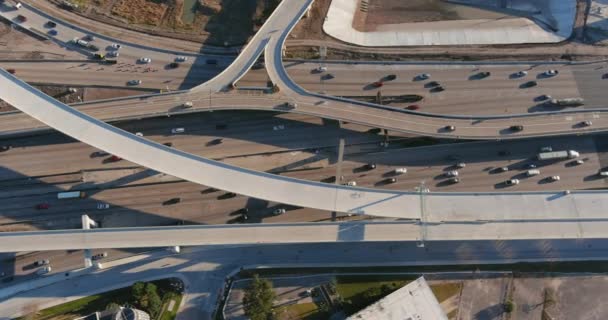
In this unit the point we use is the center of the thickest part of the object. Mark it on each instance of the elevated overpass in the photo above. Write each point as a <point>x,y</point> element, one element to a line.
<point>298,233</point>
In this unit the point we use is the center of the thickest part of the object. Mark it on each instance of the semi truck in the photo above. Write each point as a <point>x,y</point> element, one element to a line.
<point>71,195</point>
<point>569,102</point>
<point>557,155</point>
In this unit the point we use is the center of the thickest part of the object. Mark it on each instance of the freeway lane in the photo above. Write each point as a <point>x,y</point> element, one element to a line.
<point>444,207</point>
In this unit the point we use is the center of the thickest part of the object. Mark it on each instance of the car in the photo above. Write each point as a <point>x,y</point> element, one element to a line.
<point>453,180</point>
<point>545,97</point>
<point>178,130</point>
<point>377,84</point>
<point>483,74</point>
<point>390,180</point>
<point>5,148</point>
<point>423,76</point>
<point>181,59</point>
<point>603,173</point>
<point>42,206</point>
<point>21,18</point>
<point>18,5</point>
<point>115,158</point>
<point>113,54</point>
<point>168,144</point>
<point>173,65</point>
<point>172,201</point>
<point>11,71</point>
<point>451,173</point>
<point>531,166</point>
<point>520,74</point>
<point>413,107</point>
<point>550,73</point>
<point>44,270</point>
<point>502,169</point>
<point>449,128</point>
<point>99,154</point>
<point>53,32</point>
<point>134,82</point>
<point>103,206</point>
<point>99,56</point>
<point>144,60</point>
<point>351,183</point>
<point>99,256</point>
<point>43,262</point>
<point>228,195</point>
<point>390,77</point>
<point>211,61</point>
<point>400,170</point>
<point>554,178</point>
<point>187,105</point>
<point>438,89</point>
<point>433,84</point>
<point>328,76</point>
<point>115,46</point>
<point>577,162</point>
<point>291,105</point>
<point>545,149</point>
<point>321,69</point>
<point>516,128</point>
<point>370,166</point>
<point>51,24</point>
<point>215,141</point>
<point>532,172</point>
<point>512,182</point>
<point>586,123</point>
<point>278,127</point>
<point>278,211</point>
<point>529,84</point>
<point>89,37</point>
<point>460,165</point>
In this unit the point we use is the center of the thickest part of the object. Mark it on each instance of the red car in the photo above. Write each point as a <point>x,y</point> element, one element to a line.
<point>42,206</point>
<point>21,18</point>
<point>114,158</point>
<point>413,107</point>
<point>378,84</point>
<point>11,71</point>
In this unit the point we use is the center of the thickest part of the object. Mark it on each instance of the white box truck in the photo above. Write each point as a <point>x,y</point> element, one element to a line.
<point>71,195</point>
<point>557,155</point>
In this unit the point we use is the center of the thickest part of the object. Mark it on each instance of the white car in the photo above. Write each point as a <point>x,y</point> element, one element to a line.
<point>178,130</point>
<point>139,134</point>
<point>279,127</point>
<point>586,123</point>
<point>145,60</point>
<point>554,178</point>
<point>44,270</point>
<point>181,59</point>
<point>278,212</point>
<point>113,54</point>
<point>352,183</point>
<point>134,82</point>
<point>521,74</point>
<point>103,206</point>
<point>115,46</point>
<point>460,165</point>
<point>321,69</point>
<point>187,104</point>
<point>551,73</point>
<point>400,170</point>
<point>512,182</point>
<point>451,173</point>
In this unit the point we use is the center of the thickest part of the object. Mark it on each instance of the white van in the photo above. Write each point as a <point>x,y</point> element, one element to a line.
<point>603,173</point>
<point>18,5</point>
<point>533,172</point>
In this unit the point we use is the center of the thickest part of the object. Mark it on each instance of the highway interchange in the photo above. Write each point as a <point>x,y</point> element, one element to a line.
<point>298,144</point>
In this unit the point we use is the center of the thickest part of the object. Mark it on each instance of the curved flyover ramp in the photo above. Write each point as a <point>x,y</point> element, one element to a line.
<point>429,207</point>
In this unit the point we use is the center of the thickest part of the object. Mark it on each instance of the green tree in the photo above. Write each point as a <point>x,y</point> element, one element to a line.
<point>146,297</point>
<point>258,299</point>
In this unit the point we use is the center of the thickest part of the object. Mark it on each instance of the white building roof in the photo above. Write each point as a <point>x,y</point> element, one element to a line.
<point>415,301</point>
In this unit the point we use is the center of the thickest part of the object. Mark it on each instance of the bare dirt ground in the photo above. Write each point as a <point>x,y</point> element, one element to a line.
<point>215,22</point>
<point>17,45</point>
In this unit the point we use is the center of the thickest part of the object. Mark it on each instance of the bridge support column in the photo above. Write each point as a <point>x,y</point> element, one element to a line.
<point>87,223</point>
<point>338,171</point>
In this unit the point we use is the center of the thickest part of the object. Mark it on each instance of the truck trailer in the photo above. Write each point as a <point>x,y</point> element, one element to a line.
<point>71,195</point>
<point>557,155</point>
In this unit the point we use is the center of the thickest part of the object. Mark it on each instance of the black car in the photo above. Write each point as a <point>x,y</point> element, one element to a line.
<point>168,144</point>
<point>327,76</point>
<point>449,128</point>
<point>453,180</point>
<point>390,77</point>
<point>5,148</point>
<point>390,180</point>
<point>433,84</point>
<point>51,24</point>
<point>516,128</point>
<point>173,65</point>
<point>483,75</point>
<point>172,201</point>
<point>438,89</point>
<point>227,195</point>
<point>529,84</point>
<point>370,166</point>
<point>215,141</point>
